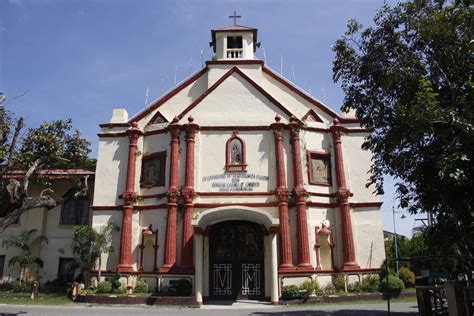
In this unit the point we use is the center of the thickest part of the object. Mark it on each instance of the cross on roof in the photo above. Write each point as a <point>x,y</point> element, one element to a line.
<point>235,17</point>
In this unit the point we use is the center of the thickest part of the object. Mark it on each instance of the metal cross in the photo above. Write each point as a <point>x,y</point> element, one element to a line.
<point>235,17</point>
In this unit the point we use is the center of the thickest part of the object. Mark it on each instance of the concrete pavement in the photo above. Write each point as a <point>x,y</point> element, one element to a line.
<point>235,309</point>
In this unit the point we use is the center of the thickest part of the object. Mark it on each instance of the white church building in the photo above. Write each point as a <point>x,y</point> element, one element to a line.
<point>237,180</point>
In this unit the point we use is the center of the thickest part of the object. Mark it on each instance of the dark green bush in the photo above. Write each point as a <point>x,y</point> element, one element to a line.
<point>184,287</point>
<point>22,287</point>
<point>290,292</point>
<point>104,287</point>
<point>116,281</point>
<point>354,287</point>
<point>119,290</point>
<point>141,287</point>
<point>392,288</point>
<point>407,276</point>
<point>370,283</point>
<point>338,282</point>
<point>55,286</point>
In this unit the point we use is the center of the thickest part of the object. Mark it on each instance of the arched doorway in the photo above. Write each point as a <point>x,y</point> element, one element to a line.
<point>236,257</point>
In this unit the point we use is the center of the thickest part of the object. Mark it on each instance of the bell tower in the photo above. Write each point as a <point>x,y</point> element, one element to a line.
<point>234,41</point>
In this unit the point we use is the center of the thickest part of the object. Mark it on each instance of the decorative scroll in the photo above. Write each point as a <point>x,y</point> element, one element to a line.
<point>251,279</point>
<point>222,279</point>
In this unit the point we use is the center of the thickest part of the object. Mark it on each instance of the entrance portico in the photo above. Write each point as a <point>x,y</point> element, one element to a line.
<point>202,226</point>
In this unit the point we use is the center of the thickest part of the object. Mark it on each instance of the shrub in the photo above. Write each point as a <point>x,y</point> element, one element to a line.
<point>6,286</point>
<point>407,276</point>
<point>184,287</point>
<point>22,287</point>
<point>338,282</point>
<point>141,287</point>
<point>354,287</point>
<point>310,286</point>
<point>290,292</point>
<point>393,288</point>
<point>116,281</point>
<point>119,290</point>
<point>55,286</point>
<point>370,283</point>
<point>329,289</point>
<point>104,287</point>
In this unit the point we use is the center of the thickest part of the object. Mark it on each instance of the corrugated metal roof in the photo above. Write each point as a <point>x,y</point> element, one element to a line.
<point>234,28</point>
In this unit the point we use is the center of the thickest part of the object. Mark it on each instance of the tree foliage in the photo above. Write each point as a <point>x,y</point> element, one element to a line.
<point>88,245</point>
<point>26,244</point>
<point>409,79</point>
<point>53,145</point>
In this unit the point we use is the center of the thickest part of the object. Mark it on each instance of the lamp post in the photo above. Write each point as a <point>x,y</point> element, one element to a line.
<point>396,243</point>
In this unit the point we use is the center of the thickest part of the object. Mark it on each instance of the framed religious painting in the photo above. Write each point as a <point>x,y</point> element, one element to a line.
<point>153,170</point>
<point>319,168</point>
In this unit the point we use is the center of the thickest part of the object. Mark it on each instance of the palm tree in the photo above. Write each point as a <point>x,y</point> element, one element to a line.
<point>26,244</point>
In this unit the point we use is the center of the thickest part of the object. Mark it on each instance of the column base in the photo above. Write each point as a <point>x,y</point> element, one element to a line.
<point>274,303</point>
<point>305,267</point>
<point>350,266</point>
<point>286,267</point>
<point>125,268</point>
<point>167,267</point>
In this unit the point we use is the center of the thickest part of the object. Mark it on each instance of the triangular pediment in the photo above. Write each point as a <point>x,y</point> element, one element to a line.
<point>158,118</point>
<point>311,116</point>
<point>235,99</point>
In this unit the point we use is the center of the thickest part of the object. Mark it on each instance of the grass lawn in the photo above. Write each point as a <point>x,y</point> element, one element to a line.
<point>7,297</point>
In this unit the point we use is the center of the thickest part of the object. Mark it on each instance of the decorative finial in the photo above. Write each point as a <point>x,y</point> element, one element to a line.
<point>134,124</point>
<point>175,120</point>
<point>277,118</point>
<point>190,119</point>
<point>235,17</point>
<point>336,121</point>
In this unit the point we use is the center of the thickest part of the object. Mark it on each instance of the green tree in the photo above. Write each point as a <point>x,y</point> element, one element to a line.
<point>27,244</point>
<point>88,245</point>
<point>53,145</point>
<point>409,80</point>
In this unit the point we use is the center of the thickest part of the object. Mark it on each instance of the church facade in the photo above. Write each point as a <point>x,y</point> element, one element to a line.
<point>238,181</point>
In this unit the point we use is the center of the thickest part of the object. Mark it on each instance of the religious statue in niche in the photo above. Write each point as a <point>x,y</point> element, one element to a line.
<point>236,153</point>
<point>321,170</point>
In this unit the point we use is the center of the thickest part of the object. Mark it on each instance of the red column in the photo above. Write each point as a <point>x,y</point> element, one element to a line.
<point>282,192</point>
<point>188,193</point>
<point>173,193</point>
<point>300,197</point>
<point>343,194</point>
<point>125,261</point>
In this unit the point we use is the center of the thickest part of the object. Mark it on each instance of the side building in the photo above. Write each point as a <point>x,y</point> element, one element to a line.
<point>238,180</point>
<point>56,224</point>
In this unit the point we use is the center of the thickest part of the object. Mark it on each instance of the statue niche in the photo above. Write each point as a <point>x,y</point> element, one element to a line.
<point>235,154</point>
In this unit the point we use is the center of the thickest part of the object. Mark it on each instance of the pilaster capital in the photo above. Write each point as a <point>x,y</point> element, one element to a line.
<point>336,129</point>
<point>174,128</point>
<point>173,195</point>
<point>278,127</point>
<point>300,194</point>
<point>188,194</point>
<point>343,194</point>
<point>282,194</point>
<point>129,196</point>
<point>134,133</point>
<point>295,127</point>
<point>191,129</point>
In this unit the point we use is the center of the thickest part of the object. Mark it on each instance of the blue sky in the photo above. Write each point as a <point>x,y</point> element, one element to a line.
<point>81,59</point>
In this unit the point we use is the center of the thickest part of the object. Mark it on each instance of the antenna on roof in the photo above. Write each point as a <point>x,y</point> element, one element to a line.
<point>162,84</point>
<point>264,55</point>
<point>202,59</point>
<point>323,90</point>
<point>175,73</point>
<point>146,95</point>
<point>281,66</point>
<point>190,66</point>
<point>293,71</point>
<point>309,90</point>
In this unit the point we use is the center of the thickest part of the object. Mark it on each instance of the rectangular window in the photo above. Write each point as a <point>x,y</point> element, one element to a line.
<point>234,42</point>
<point>65,272</point>
<point>319,168</point>
<point>74,211</point>
<point>153,170</point>
<point>2,265</point>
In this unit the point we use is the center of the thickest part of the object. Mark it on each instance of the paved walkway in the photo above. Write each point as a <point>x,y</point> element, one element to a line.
<point>234,309</point>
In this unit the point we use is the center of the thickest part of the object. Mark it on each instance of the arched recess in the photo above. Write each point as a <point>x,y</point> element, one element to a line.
<point>228,213</point>
<point>235,160</point>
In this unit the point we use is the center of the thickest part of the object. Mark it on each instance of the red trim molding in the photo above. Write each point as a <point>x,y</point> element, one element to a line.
<point>235,62</point>
<point>112,125</point>
<point>168,96</point>
<point>107,207</point>
<point>235,193</point>
<point>213,205</point>
<point>365,204</point>
<point>104,135</point>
